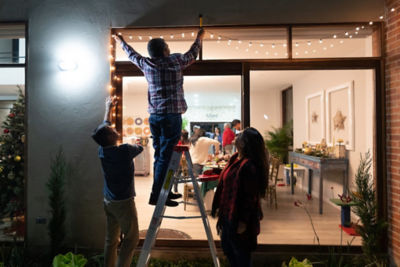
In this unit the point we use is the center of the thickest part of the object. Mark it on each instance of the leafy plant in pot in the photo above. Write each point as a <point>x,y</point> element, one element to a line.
<point>279,141</point>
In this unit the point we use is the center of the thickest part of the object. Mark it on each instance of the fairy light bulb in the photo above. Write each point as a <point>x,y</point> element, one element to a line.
<point>358,28</point>
<point>284,45</point>
<point>171,36</point>
<point>346,33</point>
<point>351,36</point>
<point>183,35</point>
<point>211,36</point>
<point>371,22</point>
<point>356,33</point>
<point>273,45</point>
<point>120,33</point>
<point>380,17</point>
<point>219,37</point>
<point>150,37</point>
<point>392,9</point>
<point>362,27</point>
<point>110,57</point>
<point>321,41</point>
<point>297,53</point>
<point>309,43</point>
<point>112,68</point>
<point>239,42</point>
<point>140,37</point>
<point>162,37</point>
<point>261,45</point>
<point>192,34</point>
<point>297,44</point>
<point>250,44</point>
<point>334,36</point>
<point>111,46</point>
<point>130,37</point>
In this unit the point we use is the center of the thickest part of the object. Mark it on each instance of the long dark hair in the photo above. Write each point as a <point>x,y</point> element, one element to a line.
<point>250,145</point>
<point>199,133</point>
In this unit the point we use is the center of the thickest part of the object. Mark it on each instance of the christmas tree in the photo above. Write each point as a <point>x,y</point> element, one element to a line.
<point>12,180</point>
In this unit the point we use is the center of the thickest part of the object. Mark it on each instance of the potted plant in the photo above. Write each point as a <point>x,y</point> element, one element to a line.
<point>279,141</point>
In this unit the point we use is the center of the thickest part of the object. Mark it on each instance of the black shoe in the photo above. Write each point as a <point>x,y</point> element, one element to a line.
<point>169,203</point>
<point>174,196</point>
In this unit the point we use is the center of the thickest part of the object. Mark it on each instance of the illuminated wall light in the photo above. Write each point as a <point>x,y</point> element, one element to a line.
<point>183,35</point>
<point>247,50</point>
<point>261,45</point>
<point>273,45</point>
<point>371,22</point>
<point>219,37</point>
<point>250,44</point>
<point>114,114</point>
<point>276,54</point>
<point>380,17</point>
<point>331,45</point>
<point>113,125</point>
<point>112,68</point>
<point>130,37</point>
<point>297,53</point>
<point>305,52</point>
<point>356,33</point>
<point>284,45</point>
<point>392,9</point>
<point>140,37</point>
<point>211,36</point>
<point>334,36</point>
<point>309,43</point>
<point>351,36</point>
<point>256,52</point>
<point>192,34</point>
<point>297,44</point>
<point>171,36</point>
<point>67,65</point>
<point>237,47</point>
<point>341,41</point>
<point>239,42</point>
<point>150,37</point>
<point>162,37</point>
<point>346,33</point>
<point>321,41</point>
<point>120,33</point>
<point>362,27</point>
<point>325,48</point>
<point>314,51</point>
<point>358,28</point>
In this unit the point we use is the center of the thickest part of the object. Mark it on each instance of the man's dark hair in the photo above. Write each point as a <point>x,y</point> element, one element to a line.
<point>234,122</point>
<point>104,135</point>
<point>156,47</point>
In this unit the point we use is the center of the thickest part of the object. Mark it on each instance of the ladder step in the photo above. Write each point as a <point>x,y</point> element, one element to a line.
<point>181,217</point>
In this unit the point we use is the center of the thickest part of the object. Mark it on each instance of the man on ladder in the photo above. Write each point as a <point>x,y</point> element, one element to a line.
<point>163,72</point>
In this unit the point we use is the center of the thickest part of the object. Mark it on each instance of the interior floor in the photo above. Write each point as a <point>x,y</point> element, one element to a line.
<point>287,224</point>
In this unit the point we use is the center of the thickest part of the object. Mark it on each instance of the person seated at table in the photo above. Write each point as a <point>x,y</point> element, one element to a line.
<point>199,147</point>
<point>184,141</point>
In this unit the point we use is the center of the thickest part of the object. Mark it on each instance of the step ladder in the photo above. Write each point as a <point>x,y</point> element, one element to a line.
<point>159,210</point>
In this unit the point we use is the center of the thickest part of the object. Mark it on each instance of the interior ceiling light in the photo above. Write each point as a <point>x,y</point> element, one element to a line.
<point>67,65</point>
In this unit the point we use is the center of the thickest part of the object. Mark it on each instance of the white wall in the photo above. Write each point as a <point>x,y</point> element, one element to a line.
<point>316,81</point>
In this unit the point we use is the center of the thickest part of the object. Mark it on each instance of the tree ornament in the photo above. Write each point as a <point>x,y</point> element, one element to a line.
<point>23,138</point>
<point>11,115</point>
<point>17,158</point>
<point>6,131</point>
<point>1,169</point>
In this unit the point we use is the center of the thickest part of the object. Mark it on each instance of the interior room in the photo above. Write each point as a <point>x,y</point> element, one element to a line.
<point>323,107</point>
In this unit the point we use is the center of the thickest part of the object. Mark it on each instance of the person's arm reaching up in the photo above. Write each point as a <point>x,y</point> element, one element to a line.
<point>133,56</point>
<point>110,102</point>
<point>190,56</point>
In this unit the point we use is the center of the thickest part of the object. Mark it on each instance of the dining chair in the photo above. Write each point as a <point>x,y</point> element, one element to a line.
<point>274,164</point>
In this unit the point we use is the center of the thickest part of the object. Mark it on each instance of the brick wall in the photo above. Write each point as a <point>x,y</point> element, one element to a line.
<point>393,124</point>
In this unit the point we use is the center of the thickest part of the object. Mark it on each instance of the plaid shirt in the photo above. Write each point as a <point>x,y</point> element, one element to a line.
<point>165,78</point>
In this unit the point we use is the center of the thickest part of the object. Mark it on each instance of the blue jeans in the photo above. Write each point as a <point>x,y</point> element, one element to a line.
<point>166,131</point>
<point>237,252</point>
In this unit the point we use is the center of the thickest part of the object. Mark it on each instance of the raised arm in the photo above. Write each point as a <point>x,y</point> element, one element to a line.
<point>110,102</point>
<point>190,56</point>
<point>133,56</point>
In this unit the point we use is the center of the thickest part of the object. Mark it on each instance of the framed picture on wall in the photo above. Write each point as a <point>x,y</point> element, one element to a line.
<point>340,114</point>
<point>315,118</point>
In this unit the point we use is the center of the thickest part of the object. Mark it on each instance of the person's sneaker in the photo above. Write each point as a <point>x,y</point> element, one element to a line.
<point>174,196</point>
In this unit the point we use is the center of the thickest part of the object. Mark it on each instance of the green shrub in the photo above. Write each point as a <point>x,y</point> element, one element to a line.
<point>69,260</point>
<point>295,263</point>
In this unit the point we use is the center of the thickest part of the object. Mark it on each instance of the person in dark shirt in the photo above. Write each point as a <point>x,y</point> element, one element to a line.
<point>119,191</point>
<point>164,75</point>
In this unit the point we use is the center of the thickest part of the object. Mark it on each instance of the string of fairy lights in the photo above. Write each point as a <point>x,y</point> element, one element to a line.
<point>267,48</point>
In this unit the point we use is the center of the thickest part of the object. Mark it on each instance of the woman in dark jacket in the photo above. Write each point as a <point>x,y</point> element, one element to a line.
<point>241,186</point>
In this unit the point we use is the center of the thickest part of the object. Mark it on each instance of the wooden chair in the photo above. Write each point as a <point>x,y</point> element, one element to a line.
<point>273,178</point>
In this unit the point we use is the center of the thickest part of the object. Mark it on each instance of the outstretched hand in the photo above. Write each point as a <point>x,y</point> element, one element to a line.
<point>118,38</point>
<point>200,34</point>
<point>111,101</point>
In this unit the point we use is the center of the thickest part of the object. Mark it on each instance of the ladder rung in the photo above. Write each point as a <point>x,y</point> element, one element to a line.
<point>181,217</point>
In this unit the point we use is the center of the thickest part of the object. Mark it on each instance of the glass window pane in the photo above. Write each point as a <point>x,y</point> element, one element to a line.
<point>318,96</point>
<point>212,101</point>
<point>336,41</point>
<point>245,43</point>
<point>12,44</point>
